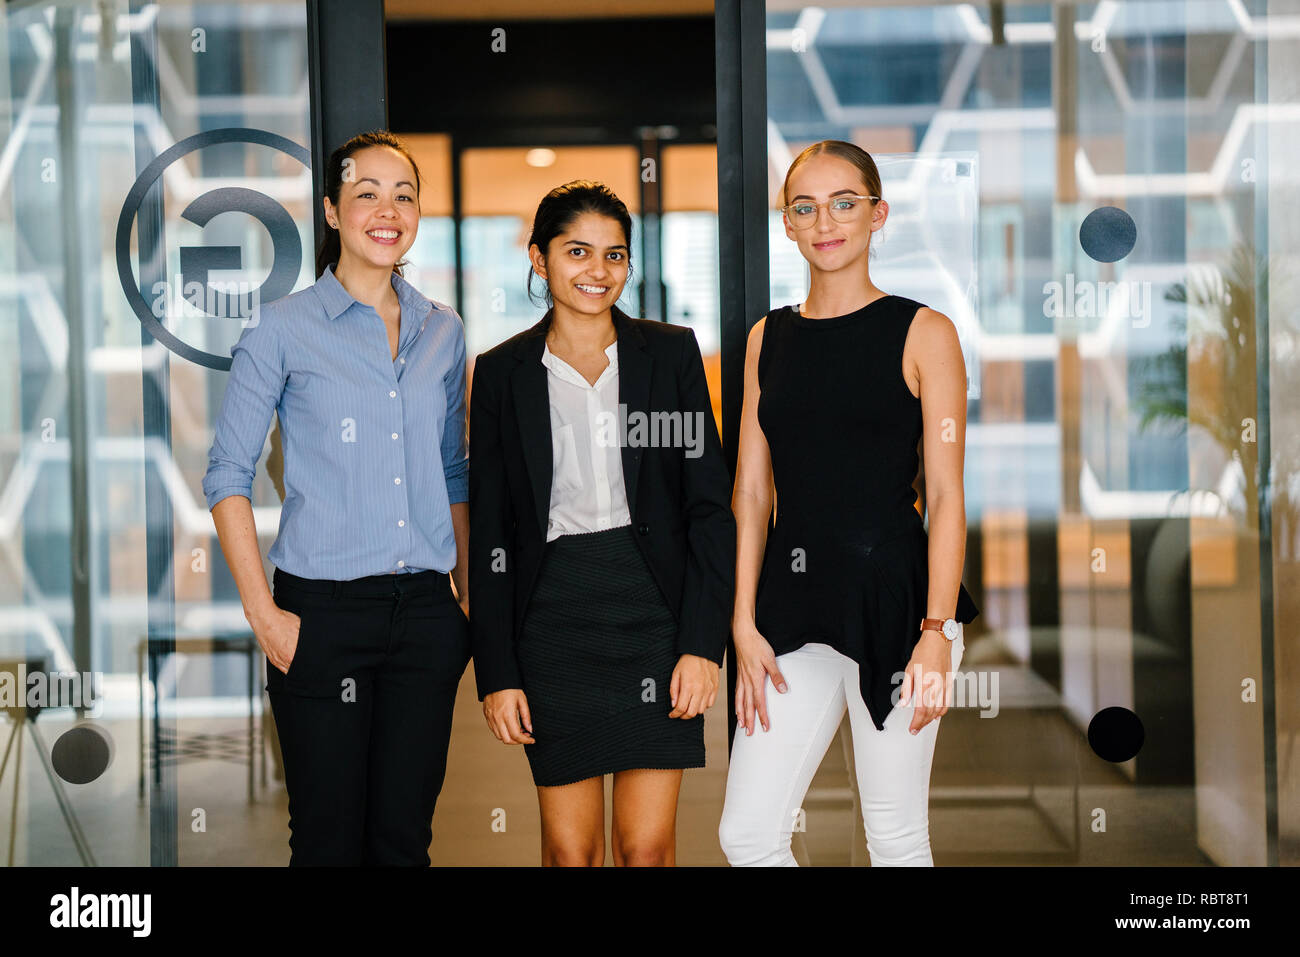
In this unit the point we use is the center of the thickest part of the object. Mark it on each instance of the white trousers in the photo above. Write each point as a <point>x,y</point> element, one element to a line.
<point>771,770</point>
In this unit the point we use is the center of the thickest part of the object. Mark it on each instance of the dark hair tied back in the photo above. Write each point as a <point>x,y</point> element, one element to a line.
<point>331,247</point>
<point>560,207</point>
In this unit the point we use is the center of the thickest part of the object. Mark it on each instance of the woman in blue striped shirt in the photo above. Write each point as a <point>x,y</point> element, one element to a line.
<point>365,641</point>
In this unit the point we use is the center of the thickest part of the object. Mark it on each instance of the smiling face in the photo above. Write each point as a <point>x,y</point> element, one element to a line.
<point>378,210</point>
<point>829,245</point>
<point>586,265</point>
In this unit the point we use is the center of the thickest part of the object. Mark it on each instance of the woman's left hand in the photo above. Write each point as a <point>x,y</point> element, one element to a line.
<point>928,680</point>
<point>694,686</point>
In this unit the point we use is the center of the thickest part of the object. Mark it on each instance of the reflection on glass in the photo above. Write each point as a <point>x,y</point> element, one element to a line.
<point>103,531</point>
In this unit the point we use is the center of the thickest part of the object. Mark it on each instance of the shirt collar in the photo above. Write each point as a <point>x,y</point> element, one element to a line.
<point>566,371</point>
<point>336,300</point>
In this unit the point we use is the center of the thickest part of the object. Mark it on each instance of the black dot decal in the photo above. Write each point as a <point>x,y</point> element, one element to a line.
<point>1108,234</point>
<point>1116,734</point>
<point>82,754</point>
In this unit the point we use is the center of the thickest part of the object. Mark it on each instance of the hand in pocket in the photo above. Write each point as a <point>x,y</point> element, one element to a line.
<point>278,636</point>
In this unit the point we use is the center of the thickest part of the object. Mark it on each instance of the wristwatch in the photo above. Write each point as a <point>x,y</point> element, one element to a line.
<point>945,626</point>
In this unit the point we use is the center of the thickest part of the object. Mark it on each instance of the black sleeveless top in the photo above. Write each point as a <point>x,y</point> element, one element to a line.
<point>846,563</point>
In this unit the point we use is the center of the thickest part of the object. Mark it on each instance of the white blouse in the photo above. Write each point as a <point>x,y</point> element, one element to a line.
<point>587,493</point>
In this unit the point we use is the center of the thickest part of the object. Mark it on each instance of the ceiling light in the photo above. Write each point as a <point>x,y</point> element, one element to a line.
<point>540,157</point>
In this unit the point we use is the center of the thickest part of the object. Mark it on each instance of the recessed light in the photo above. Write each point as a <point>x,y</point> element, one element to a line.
<point>540,157</point>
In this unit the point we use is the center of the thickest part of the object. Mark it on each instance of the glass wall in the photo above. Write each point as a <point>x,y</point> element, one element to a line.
<point>155,184</point>
<point>1131,473</point>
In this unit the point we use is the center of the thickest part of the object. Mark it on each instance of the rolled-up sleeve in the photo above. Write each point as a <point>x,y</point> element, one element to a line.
<point>253,391</point>
<point>455,454</point>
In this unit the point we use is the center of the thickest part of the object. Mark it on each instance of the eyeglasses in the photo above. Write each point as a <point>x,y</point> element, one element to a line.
<point>846,208</point>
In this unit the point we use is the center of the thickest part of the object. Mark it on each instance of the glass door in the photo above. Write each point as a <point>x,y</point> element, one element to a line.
<point>1131,467</point>
<point>155,186</point>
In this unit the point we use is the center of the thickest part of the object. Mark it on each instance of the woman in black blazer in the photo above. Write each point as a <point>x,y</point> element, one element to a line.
<point>602,544</point>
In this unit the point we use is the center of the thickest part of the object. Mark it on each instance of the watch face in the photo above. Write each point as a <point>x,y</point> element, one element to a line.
<point>950,629</point>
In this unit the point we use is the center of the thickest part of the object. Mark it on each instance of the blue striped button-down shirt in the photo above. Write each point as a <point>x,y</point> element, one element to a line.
<point>374,447</point>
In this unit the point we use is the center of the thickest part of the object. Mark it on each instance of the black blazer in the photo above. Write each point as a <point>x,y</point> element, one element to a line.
<point>680,506</point>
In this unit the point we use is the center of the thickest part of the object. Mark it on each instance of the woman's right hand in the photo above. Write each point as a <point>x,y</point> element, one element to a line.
<point>507,716</point>
<point>755,662</point>
<point>277,633</point>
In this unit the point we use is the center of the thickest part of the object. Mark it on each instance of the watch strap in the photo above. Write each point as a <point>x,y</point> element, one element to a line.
<point>941,626</point>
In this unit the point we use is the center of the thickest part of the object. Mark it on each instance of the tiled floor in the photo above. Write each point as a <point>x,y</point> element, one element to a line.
<point>485,779</point>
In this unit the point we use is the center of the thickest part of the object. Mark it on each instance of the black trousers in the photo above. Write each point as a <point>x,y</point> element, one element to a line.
<point>364,714</point>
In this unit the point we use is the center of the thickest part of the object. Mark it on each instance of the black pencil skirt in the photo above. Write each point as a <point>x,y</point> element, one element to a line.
<point>596,652</point>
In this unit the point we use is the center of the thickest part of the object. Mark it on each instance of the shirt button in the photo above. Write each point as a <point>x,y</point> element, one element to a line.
<point>394,435</point>
<point>397,481</point>
<point>401,564</point>
<point>401,522</point>
<point>392,395</point>
<point>402,361</point>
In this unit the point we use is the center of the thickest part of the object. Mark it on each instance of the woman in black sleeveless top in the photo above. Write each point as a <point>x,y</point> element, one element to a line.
<point>848,602</point>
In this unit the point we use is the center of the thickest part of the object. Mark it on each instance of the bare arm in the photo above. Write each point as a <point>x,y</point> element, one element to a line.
<point>751,503</point>
<point>936,371</point>
<point>276,630</point>
<point>941,372</point>
<point>753,495</point>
